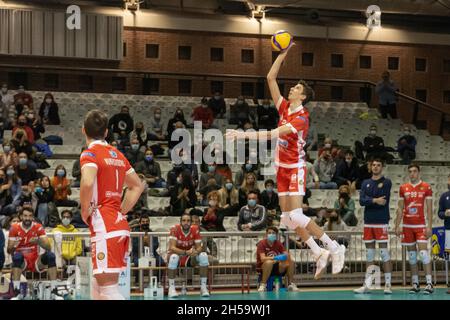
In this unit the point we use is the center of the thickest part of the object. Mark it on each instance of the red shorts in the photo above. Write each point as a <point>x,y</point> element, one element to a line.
<point>412,235</point>
<point>376,232</point>
<point>110,255</point>
<point>291,181</point>
<point>31,262</point>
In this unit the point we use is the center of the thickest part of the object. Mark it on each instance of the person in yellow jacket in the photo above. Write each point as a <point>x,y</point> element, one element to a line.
<point>69,247</point>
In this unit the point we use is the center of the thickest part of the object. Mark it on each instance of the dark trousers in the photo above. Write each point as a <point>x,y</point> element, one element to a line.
<point>390,109</point>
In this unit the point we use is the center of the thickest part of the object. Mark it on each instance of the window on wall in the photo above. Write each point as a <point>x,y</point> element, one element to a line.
<point>447,96</point>
<point>51,81</point>
<point>150,85</point>
<point>85,83</point>
<point>337,60</point>
<point>421,94</point>
<point>247,56</point>
<point>365,62</point>
<point>393,63</point>
<point>184,52</point>
<point>307,59</point>
<point>421,64</point>
<point>337,93</point>
<point>184,86</point>
<point>247,89</point>
<point>124,49</point>
<point>217,86</point>
<point>446,65</point>
<point>119,84</point>
<point>152,50</point>
<point>217,54</point>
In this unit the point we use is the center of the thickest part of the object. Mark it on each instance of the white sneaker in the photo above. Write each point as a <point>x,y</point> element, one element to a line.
<point>293,287</point>
<point>262,288</point>
<point>173,292</point>
<point>321,263</point>
<point>204,291</point>
<point>362,290</point>
<point>387,288</point>
<point>338,258</point>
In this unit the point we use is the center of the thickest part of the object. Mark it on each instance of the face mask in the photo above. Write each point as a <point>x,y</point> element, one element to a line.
<point>134,147</point>
<point>212,203</point>
<point>204,106</point>
<point>251,202</point>
<point>269,189</point>
<point>229,186</point>
<point>328,145</point>
<point>23,162</point>
<point>6,149</point>
<point>48,101</point>
<point>348,161</point>
<point>373,132</point>
<point>60,173</point>
<point>248,166</point>
<point>157,116</point>
<point>272,237</point>
<point>211,168</point>
<point>65,222</point>
<point>10,173</point>
<point>149,158</point>
<point>38,190</point>
<point>217,97</point>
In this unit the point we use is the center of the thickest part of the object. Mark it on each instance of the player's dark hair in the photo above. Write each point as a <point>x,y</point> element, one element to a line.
<point>144,216</point>
<point>29,209</point>
<point>378,160</point>
<point>414,165</point>
<point>67,211</point>
<point>254,191</point>
<point>275,229</point>
<point>307,91</point>
<point>185,214</point>
<point>269,181</point>
<point>96,124</point>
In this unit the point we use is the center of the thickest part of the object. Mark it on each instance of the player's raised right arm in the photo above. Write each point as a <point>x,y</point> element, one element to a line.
<point>272,77</point>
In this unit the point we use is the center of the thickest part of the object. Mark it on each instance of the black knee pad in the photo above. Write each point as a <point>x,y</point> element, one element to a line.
<point>17,260</point>
<point>48,259</point>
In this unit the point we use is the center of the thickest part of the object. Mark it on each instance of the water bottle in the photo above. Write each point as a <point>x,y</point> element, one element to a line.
<point>183,289</point>
<point>277,284</point>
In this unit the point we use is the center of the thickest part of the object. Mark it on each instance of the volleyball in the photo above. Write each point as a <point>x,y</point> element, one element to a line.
<point>281,40</point>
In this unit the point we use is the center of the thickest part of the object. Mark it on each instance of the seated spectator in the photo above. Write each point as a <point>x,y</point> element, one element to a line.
<point>203,114</point>
<point>45,194</point>
<point>325,167</point>
<point>25,170</point>
<point>269,200</point>
<point>253,216</point>
<point>157,126</point>
<point>312,178</point>
<point>123,141</point>
<point>35,123</point>
<point>208,244</point>
<point>151,170</point>
<point>239,111</point>
<point>134,155</point>
<point>245,169</point>
<point>19,143</point>
<point>374,146</point>
<point>347,171</point>
<point>249,184</point>
<point>312,139</point>
<point>48,111</point>
<point>150,242</point>
<point>24,97</point>
<point>7,155</point>
<point>217,105</point>
<point>140,134</point>
<point>406,146</point>
<point>9,221</point>
<point>180,167</point>
<point>272,259</point>
<point>345,206</point>
<point>6,97</point>
<point>229,198</point>
<point>10,192</point>
<point>211,174</point>
<point>61,185</point>
<point>213,217</point>
<point>69,247</point>
<point>334,223</point>
<point>22,125</point>
<point>267,116</point>
<point>211,186</point>
<point>185,250</point>
<point>121,122</point>
<point>171,125</point>
<point>365,172</point>
<point>182,194</point>
<point>76,171</point>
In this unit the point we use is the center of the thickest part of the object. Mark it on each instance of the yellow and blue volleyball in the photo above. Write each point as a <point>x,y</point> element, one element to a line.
<point>281,40</point>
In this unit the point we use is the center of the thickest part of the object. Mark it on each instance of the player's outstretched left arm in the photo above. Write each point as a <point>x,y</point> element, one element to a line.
<point>135,187</point>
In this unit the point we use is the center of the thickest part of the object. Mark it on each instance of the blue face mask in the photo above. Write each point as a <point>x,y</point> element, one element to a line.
<point>269,189</point>
<point>149,158</point>
<point>248,166</point>
<point>251,202</point>
<point>211,168</point>
<point>272,237</point>
<point>60,173</point>
<point>38,190</point>
<point>23,162</point>
<point>229,186</point>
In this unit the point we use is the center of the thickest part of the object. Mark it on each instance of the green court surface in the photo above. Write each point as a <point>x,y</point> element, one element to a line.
<point>325,294</point>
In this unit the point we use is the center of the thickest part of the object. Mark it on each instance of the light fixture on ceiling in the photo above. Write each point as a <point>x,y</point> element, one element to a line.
<point>258,13</point>
<point>132,5</point>
<point>373,14</point>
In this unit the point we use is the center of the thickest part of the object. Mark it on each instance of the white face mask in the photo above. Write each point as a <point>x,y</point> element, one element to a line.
<point>328,145</point>
<point>212,203</point>
<point>48,101</point>
<point>65,222</point>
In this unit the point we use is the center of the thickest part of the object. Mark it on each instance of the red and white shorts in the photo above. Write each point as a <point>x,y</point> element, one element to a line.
<point>376,232</point>
<point>411,235</point>
<point>110,251</point>
<point>291,181</point>
<point>31,261</point>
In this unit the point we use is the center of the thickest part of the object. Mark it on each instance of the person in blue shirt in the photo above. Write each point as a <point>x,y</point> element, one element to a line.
<point>444,214</point>
<point>374,197</point>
